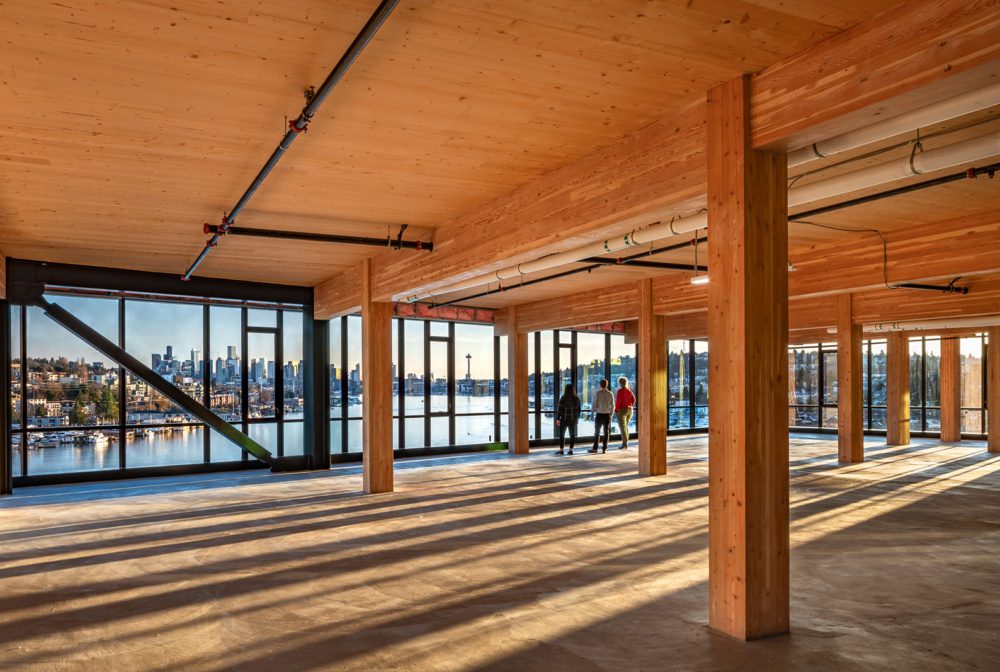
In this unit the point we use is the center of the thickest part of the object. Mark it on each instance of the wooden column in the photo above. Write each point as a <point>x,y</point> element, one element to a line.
<point>376,364</point>
<point>748,374</point>
<point>517,386</point>
<point>850,425</point>
<point>993,389</point>
<point>951,390</point>
<point>897,393</point>
<point>652,385</point>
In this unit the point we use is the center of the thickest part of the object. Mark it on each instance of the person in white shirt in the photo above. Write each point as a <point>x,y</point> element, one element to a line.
<point>604,406</point>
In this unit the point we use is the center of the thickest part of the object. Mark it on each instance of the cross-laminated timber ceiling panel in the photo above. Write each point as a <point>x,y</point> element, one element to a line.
<point>127,124</point>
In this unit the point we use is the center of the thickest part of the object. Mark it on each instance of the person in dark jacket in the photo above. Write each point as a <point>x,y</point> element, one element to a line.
<point>566,416</point>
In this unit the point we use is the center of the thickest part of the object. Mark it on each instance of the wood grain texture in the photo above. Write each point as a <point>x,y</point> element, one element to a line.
<point>861,69</point>
<point>951,390</point>
<point>517,375</point>
<point>619,302</point>
<point>850,420</point>
<point>340,295</point>
<point>3,276</point>
<point>897,389</point>
<point>993,389</point>
<point>652,385</point>
<point>376,365</point>
<point>748,373</point>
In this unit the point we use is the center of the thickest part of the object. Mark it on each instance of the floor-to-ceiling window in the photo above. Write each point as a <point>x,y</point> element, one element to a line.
<point>925,384</point>
<point>972,351</point>
<point>84,412</point>
<point>687,384</point>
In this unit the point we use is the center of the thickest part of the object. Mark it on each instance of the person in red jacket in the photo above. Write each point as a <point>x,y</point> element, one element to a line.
<point>624,402</point>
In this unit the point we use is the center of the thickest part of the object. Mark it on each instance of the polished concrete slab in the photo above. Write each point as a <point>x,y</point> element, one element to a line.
<point>486,562</point>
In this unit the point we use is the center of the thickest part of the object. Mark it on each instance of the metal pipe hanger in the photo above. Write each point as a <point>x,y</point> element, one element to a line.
<point>300,124</point>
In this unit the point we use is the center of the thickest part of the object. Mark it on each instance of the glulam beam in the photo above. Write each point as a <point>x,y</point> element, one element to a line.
<point>748,373</point>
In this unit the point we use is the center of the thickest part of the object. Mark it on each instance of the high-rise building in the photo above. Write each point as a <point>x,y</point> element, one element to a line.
<point>231,352</point>
<point>270,369</point>
<point>157,360</point>
<point>170,353</point>
<point>196,357</point>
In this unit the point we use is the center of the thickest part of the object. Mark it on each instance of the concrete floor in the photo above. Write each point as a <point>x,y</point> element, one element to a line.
<point>484,562</point>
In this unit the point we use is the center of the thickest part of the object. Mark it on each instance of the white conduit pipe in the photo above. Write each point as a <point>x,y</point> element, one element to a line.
<point>929,325</point>
<point>974,149</point>
<point>903,123</point>
<point>919,163</point>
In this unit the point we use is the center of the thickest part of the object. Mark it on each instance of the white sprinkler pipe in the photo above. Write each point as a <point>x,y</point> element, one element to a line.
<point>967,151</point>
<point>928,325</point>
<point>936,113</point>
<point>919,163</point>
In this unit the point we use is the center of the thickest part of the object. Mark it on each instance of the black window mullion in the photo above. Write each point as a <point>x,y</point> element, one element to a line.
<point>244,376</point>
<point>206,375</point>
<point>497,432</point>
<point>538,383</point>
<point>692,358</point>
<point>122,397</point>
<point>278,383</point>
<point>427,383</point>
<point>345,423</point>
<point>400,380</point>
<point>451,383</point>
<point>24,390</point>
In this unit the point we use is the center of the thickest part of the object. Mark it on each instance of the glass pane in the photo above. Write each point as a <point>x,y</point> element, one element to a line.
<point>224,349</point>
<point>916,419</point>
<point>260,374</point>
<point>395,369</point>
<point>503,382</point>
<point>805,416</point>
<point>932,419</point>
<point>222,449</point>
<point>932,370</point>
<point>701,416</point>
<point>414,432</point>
<point>879,359</point>
<point>829,380</point>
<point>162,446</point>
<point>439,377</point>
<point>439,329</point>
<point>266,434</point>
<point>972,421</point>
<point>701,377</point>
<point>15,386</point>
<point>413,386</point>
<point>355,439</point>
<point>473,429</point>
<point>972,373</point>
<point>70,383</point>
<point>565,355</point>
<point>830,417</point>
<point>54,452</point>
<point>473,370</point>
<point>262,317</point>
<point>548,372</point>
<point>916,379</point>
<point>336,366</point>
<point>355,386</point>
<point>503,427</point>
<point>532,392</point>
<point>878,418</point>
<point>169,337</point>
<point>336,436</point>
<point>623,362</point>
<point>589,373</point>
<point>803,377</point>
<point>439,432</point>
<point>864,376</point>
<point>291,352</point>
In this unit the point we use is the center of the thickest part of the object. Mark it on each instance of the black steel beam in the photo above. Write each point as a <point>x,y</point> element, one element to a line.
<point>300,124</point>
<point>90,336</point>
<point>947,289</point>
<point>394,243</point>
<point>27,279</point>
<point>669,265</point>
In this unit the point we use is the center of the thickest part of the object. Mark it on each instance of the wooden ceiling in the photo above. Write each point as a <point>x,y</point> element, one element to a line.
<point>127,125</point>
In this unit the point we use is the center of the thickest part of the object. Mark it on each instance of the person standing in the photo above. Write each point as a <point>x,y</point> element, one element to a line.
<point>624,402</point>
<point>566,417</point>
<point>604,406</point>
